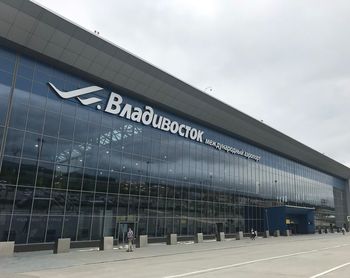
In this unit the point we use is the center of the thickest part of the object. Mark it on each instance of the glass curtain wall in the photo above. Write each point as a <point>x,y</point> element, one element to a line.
<point>69,170</point>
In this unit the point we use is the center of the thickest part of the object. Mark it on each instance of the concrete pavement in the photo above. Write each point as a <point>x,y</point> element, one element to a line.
<point>296,256</point>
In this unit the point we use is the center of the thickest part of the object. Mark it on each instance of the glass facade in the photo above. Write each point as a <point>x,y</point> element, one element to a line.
<point>69,170</point>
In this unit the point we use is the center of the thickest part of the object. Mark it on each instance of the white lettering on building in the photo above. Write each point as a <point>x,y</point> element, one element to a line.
<point>147,117</point>
<point>232,150</point>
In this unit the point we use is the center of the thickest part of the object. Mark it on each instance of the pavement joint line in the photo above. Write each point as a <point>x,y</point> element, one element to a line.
<point>330,270</point>
<point>254,261</point>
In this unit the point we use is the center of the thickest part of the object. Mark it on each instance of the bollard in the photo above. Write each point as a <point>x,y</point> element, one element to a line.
<point>277,233</point>
<point>239,235</point>
<point>220,236</point>
<point>142,241</point>
<point>266,234</point>
<point>171,239</point>
<point>198,238</point>
<point>7,248</point>
<point>62,245</point>
<point>106,243</point>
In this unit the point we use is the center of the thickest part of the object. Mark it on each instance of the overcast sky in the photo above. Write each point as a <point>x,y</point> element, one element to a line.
<point>284,62</point>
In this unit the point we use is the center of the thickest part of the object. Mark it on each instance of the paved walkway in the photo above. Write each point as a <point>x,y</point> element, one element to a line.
<point>296,256</point>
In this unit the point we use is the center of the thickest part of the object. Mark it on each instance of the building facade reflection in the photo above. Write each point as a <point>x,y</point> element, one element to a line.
<point>69,170</point>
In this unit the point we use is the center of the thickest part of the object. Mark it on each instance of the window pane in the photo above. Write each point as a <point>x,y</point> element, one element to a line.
<point>9,170</point>
<point>54,228</point>
<point>18,116</point>
<point>32,145</point>
<point>60,177</point>
<point>70,227</point>
<point>36,118</point>
<point>45,173</point>
<point>7,194</point>
<point>37,229</point>
<point>14,142</point>
<point>24,199</point>
<point>58,198</point>
<point>5,228</point>
<point>41,201</point>
<point>27,172</point>
<point>75,178</point>
<point>84,228</point>
<point>20,226</point>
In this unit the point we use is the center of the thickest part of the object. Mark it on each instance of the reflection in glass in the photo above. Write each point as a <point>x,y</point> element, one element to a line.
<point>83,173</point>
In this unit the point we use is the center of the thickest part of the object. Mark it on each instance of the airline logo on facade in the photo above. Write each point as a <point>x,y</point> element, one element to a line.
<point>147,117</point>
<point>79,92</point>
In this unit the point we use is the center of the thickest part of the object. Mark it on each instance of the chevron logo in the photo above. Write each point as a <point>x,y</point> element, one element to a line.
<point>78,93</point>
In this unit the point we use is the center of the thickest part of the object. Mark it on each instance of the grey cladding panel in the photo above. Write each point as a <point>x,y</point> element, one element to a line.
<point>120,79</point>
<point>108,74</point>
<point>36,43</point>
<point>31,9</point>
<point>82,62</point>
<point>75,46</point>
<point>60,38</point>
<point>44,31</point>
<point>131,84</point>
<point>115,64</point>
<point>50,19</point>
<point>53,50</point>
<point>126,69</point>
<point>4,28</point>
<point>7,13</point>
<point>68,57</point>
<point>138,75</point>
<point>24,21</point>
<point>141,87</point>
<point>95,69</point>
<point>102,59</point>
<point>15,4</point>
<point>89,52</point>
<point>17,35</point>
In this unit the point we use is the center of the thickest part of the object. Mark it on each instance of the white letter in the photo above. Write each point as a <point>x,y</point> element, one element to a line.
<point>113,105</point>
<point>165,124</point>
<point>147,116</point>
<point>174,127</point>
<point>199,136</point>
<point>188,128</point>
<point>182,133</point>
<point>126,111</point>
<point>154,121</point>
<point>136,115</point>
<point>193,134</point>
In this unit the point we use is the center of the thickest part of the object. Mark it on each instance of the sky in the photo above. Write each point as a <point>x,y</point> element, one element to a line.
<point>285,63</point>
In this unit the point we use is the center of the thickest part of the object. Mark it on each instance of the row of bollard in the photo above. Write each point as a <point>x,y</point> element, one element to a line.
<point>62,245</point>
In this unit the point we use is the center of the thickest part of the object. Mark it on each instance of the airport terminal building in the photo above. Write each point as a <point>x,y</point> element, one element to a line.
<point>94,139</point>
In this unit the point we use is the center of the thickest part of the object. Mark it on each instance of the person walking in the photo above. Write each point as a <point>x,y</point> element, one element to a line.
<point>252,234</point>
<point>130,236</point>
